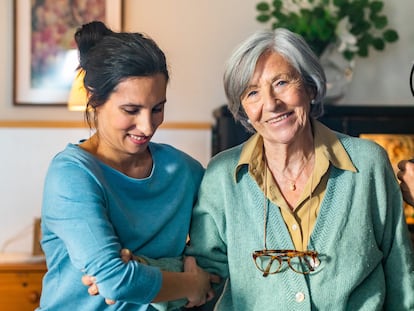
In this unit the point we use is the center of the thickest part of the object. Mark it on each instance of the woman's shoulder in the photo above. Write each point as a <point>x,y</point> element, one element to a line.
<point>363,149</point>
<point>363,144</point>
<point>71,166</point>
<point>73,153</point>
<point>225,160</point>
<point>170,154</point>
<point>229,155</point>
<point>75,161</point>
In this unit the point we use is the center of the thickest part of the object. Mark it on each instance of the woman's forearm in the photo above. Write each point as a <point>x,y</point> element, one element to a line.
<point>194,284</point>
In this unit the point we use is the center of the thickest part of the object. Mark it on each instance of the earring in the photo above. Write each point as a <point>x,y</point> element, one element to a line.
<point>248,121</point>
<point>313,101</point>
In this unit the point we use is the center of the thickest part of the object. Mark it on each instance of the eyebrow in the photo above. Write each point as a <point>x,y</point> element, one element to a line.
<point>141,105</point>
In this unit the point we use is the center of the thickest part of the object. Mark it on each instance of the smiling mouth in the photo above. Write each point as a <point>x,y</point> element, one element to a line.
<point>280,118</point>
<point>139,138</point>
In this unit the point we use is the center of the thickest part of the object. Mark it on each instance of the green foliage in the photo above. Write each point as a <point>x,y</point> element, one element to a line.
<point>362,25</point>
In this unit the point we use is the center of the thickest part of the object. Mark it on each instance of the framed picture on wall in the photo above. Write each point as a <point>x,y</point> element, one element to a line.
<point>45,54</point>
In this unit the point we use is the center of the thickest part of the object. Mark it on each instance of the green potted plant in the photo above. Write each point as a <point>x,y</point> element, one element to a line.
<point>353,26</point>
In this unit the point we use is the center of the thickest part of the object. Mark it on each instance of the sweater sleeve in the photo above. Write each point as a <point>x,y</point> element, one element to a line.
<point>74,212</point>
<point>208,227</point>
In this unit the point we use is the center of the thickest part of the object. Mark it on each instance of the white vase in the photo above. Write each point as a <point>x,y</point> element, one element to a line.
<point>338,71</point>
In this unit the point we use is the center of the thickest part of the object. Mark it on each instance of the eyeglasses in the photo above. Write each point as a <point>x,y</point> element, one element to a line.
<point>411,80</point>
<point>269,261</point>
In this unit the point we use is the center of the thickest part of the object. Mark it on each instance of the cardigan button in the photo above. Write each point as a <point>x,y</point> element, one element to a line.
<point>300,296</point>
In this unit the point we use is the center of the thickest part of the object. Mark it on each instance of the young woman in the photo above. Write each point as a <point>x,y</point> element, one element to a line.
<point>118,190</point>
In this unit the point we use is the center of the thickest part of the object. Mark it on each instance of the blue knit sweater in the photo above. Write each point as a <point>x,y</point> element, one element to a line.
<point>90,211</point>
<point>367,261</point>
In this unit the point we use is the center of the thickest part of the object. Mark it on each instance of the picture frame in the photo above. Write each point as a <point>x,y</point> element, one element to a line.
<point>45,54</point>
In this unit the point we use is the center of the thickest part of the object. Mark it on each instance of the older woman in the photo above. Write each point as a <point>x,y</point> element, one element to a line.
<point>298,217</point>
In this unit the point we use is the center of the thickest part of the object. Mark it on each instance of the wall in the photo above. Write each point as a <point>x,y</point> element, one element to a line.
<point>197,37</point>
<point>24,158</point>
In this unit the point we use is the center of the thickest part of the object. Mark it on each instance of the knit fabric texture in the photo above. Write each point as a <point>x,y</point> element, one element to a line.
<point>91,211</point>
<point>360,234</point>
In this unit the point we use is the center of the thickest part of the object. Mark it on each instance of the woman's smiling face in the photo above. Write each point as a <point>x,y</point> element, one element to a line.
<point>133,112</point>
<point>276,100</point>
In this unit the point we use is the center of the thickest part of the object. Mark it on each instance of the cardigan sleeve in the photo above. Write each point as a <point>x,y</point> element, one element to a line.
<point>398,260</point>
<point>394,241</point>
<point>208,227</point>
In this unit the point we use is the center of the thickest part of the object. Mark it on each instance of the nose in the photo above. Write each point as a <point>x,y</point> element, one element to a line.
<point>271,99</point>
<point>145,123</point>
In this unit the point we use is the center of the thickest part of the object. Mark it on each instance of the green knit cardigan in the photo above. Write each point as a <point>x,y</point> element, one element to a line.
<point>367,260</point>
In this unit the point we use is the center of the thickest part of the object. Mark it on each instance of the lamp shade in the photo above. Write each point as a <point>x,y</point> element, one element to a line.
<point>78,96</point>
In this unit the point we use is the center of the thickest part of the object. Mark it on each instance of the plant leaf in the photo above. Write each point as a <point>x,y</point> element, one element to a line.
<point>263,18</point>
<point>376,6</point>
<point>277,4</point>
<point>348,55</point>
<point>263,6</point>
<point>380,21</point>
<point>390,35</point>
<point>318,21</point>
<point>378,44</point>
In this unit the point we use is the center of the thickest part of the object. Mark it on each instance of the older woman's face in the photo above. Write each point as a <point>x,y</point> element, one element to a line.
<point>276,100</point>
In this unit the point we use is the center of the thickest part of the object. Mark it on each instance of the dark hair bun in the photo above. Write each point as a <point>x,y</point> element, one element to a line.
<point>88,35</point>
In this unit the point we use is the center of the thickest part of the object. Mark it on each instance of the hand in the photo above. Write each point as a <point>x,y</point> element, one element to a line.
<point>203,292</point>
<point>90,281</point>
<point>406,176</point>
<point>93,289</point>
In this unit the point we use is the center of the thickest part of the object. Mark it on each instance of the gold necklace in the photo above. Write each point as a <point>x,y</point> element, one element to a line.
<point>315,262</point>
<point>292,185</point>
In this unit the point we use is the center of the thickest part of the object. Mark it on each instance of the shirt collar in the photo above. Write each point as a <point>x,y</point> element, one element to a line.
<point>326,143</point>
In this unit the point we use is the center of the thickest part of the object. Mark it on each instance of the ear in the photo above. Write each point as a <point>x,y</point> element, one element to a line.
<point>312,94</point>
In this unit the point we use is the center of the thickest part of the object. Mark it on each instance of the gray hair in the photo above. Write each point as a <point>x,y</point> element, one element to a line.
<point>241,65</point>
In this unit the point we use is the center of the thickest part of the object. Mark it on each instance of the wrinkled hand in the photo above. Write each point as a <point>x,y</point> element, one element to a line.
<point>203,292</point>
<point>406,176</point>
<point>90,281</point>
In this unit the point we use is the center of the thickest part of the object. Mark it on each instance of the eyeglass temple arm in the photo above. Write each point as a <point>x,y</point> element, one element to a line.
<point>411,80</point>
<point>266,271</point>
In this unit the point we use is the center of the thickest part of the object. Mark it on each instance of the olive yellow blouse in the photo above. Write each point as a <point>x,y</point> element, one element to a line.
<point>300,221</point>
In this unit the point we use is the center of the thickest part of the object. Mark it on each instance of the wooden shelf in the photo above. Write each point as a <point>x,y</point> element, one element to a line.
<point>21,285</point>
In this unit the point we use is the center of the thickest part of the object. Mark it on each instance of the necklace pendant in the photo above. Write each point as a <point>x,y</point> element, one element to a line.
<point>292,187</point>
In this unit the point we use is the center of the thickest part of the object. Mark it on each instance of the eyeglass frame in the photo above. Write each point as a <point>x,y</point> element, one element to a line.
<point>285,255</point>
<point>412,80</point>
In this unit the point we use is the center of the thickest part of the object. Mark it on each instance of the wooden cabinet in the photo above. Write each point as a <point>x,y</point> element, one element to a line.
<point>21,286</point>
